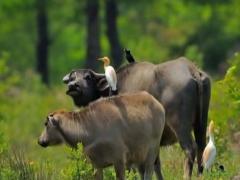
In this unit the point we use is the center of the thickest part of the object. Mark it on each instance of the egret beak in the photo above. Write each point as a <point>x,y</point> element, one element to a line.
<point>100,59</point>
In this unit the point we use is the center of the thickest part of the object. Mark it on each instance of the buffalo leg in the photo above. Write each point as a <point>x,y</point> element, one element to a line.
<point>189,148</point>
<point>201,142</point>
<point>120,170</point>
<point>200,127</point>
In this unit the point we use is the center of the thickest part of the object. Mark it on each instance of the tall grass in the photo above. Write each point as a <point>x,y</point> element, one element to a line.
<point>15,165</point>
<point>23,109</point>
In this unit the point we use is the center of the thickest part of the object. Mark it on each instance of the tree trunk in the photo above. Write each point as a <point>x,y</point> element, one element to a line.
<point>43,41</point>
<point>112,32</point>
<point>93,34</point>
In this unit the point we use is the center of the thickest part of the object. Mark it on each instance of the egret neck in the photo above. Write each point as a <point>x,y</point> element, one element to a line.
<point>211,137</point>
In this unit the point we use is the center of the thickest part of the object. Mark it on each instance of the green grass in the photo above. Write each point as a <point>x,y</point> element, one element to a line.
<point>75,166</point>
<point>23,112</point>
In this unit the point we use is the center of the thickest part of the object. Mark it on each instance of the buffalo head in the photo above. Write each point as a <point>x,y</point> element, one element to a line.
<point>85,85</point>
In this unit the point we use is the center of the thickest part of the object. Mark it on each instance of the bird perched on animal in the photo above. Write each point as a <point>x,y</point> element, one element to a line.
<point>129,56</point>
<point>110,75</point>
<point>209,152</point>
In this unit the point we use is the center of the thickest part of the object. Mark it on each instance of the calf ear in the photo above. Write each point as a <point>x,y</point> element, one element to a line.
<point>53,121</point>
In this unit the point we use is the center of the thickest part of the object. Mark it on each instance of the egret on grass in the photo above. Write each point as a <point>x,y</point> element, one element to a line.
<point>209,152</point>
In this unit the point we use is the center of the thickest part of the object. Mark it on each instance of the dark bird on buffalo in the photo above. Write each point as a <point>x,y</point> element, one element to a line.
<point>129,56</point>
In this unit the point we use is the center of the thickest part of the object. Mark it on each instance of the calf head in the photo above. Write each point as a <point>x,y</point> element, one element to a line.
<point>51,134</point>
<point>85,85</point>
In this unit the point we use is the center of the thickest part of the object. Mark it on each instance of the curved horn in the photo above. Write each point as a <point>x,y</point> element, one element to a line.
<point>66,78</point>
<point>97,75</point>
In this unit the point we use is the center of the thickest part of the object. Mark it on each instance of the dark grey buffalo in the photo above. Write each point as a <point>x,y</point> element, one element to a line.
<point>179,85</point>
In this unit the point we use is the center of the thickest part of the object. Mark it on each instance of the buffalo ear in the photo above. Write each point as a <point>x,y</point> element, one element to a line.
<point>96,75</point>
<point>101,82</point>
<point>102,85</point>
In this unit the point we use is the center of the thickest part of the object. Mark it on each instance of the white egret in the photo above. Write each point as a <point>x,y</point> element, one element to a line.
<point>210,151</point>
<point>111,76</point>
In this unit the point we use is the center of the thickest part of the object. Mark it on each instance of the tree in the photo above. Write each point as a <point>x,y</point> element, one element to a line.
<point>112,31</point>
<point>43,41</point>
<point>93,33</point>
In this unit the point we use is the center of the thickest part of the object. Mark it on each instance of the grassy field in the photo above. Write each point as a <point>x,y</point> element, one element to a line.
<point>24,118</point>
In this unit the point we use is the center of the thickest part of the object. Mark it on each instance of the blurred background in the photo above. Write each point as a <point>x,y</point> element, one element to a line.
<point>42,40</point>
<point>52,37</point>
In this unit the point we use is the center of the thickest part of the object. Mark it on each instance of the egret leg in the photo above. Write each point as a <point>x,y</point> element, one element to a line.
<point>110,91</point>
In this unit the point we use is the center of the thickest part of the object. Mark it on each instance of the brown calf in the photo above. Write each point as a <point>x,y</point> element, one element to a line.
<point>119,131</point>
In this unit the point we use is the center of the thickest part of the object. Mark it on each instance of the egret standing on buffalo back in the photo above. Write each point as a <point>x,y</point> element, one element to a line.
<point>110,75</point>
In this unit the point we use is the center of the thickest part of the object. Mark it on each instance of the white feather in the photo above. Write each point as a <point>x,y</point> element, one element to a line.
<point>111,77</point>
<point>212,154</point>
<point>209,153</point>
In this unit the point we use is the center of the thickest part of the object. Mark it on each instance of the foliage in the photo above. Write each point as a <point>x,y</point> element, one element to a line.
<point>159,30</point>
<point>14,165</point>
<point>29,102</point>
<point>80,167</point>
<point>225,105</point>
<point>207,32</point>
<point>9,79</point>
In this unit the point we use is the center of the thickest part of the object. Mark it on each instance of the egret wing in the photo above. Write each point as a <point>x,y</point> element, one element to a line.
<point>208,155</point>
<point>111,77</point>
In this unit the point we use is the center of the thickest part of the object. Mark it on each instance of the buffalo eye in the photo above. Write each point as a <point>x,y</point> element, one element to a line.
<point>71,78</point>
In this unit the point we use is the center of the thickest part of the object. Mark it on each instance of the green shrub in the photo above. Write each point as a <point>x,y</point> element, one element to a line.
<point>225,105</point>
<point>80,167</point>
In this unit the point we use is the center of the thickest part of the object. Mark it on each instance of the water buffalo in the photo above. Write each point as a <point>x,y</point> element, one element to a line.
<point>119,131</point>
<point>182,88</point>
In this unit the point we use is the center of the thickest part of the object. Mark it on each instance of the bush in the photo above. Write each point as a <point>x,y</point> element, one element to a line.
<point>80,167</point>
<point>225,105</point>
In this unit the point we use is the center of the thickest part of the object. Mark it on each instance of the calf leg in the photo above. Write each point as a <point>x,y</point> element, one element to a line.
<point>120,170</point>
<point>141,171</point>
<point>98,174</point>
<point>152,161</point>
<point>157,168</point>
<point>148,172</point>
